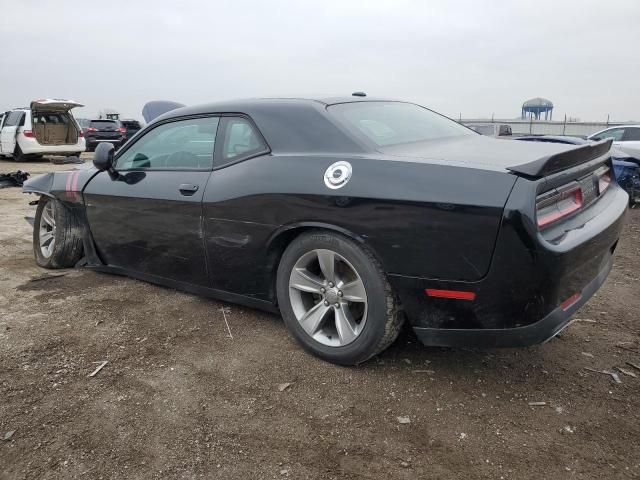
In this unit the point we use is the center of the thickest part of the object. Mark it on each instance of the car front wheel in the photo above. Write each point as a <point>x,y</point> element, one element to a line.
<point>57,242</point>
<point>335,298</point>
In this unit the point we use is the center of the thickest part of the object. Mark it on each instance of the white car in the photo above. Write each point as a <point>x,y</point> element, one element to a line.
<point>46,128</point>
<point>626,138</point>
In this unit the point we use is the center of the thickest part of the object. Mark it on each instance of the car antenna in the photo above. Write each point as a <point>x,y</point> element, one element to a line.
<point>359,94</point>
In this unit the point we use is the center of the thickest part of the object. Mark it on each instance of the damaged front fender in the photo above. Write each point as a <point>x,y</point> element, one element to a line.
<point>66,187</point>
<point>41,184</point>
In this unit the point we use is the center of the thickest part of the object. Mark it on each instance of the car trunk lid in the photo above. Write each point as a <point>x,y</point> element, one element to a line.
<point>568,178</point>
<point>531,159</point>
<point>54,105</point>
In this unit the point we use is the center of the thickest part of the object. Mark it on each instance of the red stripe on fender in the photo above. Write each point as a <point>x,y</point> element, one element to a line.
<point>75,181</point>
<point>455,294</point>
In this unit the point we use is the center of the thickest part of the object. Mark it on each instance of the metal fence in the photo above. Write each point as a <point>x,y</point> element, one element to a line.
<point>538,127</point>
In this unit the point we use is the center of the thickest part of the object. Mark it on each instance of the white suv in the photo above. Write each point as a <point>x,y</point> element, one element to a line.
<point>626,138</point>
<point>46,128</point>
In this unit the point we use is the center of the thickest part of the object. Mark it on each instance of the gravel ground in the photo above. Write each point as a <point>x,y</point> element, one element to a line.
<point>182,398</point>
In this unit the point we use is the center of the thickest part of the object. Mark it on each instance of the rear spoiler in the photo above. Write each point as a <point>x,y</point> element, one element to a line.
<point>561,161</point>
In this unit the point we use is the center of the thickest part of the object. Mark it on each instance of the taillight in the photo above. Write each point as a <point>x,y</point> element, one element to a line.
<point>122,130</point>
<point>604,179</point>
<point>91,129</point>
<point>80,133</point>
<point>556,204</point>
<point>28,133</point>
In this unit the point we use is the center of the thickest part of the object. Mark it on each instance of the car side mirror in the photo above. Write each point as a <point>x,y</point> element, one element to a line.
<point>103,156</point>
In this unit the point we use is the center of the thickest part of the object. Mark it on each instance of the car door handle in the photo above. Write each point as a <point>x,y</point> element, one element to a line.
<point>188,188</point>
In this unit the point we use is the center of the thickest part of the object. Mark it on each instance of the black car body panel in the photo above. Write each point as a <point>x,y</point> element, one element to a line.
<point>564,160</point>
<point>449,214</point>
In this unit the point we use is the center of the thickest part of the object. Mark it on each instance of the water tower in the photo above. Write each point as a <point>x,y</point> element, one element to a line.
<point>535,107</point>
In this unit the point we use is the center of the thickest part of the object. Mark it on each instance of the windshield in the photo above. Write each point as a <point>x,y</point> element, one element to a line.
<point>394,123</point>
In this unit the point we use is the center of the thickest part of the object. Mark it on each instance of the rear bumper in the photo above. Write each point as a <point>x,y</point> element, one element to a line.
<point>538,332</point>
<point>94,142</point>
<point>30,146</point>
<point>519,301</point>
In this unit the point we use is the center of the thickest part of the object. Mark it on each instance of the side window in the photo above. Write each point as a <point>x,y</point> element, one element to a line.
<point>241,140</point>
<point>615,133</point>
<point>13,119</point>
<point>631,134</point>
<point>179,145</point>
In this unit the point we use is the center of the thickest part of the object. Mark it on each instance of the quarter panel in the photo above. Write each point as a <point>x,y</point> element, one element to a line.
<point>420,219</point>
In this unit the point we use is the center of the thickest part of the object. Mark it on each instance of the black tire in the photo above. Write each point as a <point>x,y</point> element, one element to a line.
<point>67,249</point>
<point>18,156</point>
<point>383,322</point>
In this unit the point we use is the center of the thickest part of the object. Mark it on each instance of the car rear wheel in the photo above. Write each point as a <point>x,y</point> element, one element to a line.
<point>57,242</point>
<point>335,298</point>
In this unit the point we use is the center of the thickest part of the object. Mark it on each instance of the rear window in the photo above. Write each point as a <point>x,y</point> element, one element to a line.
<point>49,118</point>
<point>394,123</point>
<point>104,124</point>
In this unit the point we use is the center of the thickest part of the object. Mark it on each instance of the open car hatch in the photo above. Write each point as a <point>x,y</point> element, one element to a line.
<point>54,104</point>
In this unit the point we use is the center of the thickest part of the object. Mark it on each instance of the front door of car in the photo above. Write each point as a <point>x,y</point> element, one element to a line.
<point>8,132</point>
<point>146,217</point>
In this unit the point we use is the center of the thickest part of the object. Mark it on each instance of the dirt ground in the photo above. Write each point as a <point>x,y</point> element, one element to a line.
<point>181,398</point>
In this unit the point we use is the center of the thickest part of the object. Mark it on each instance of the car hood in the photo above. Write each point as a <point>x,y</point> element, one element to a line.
<point>476,151</point>
<point>155,108</point>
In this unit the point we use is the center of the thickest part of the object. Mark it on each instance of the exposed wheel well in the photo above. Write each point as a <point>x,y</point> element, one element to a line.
<point>282,240</point>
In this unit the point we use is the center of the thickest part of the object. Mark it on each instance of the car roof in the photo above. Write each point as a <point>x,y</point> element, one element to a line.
<point>614,127</point>
<point>275,103</point>
<point>621,126</point>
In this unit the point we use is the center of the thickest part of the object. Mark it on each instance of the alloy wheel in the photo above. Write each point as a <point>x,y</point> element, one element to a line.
<point>328,297</point>
<point>47,229</point>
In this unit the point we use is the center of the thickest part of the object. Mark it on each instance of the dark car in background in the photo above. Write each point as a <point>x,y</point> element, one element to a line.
<point>131,126</point>
<point>104,131</point>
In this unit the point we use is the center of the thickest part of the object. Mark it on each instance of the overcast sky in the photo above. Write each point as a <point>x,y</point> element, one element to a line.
<point>476,58</point>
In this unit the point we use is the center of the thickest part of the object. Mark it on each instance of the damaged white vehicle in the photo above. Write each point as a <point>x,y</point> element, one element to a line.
<point>46,128</point>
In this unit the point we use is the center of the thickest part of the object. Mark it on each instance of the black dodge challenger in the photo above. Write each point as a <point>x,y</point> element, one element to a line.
<point>348,216</point>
